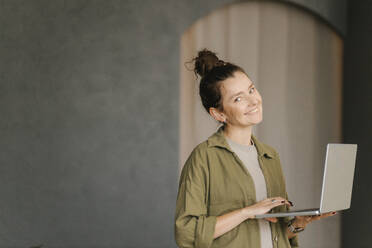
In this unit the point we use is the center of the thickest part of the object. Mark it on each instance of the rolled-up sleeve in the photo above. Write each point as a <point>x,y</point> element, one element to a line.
<point>193,226</point>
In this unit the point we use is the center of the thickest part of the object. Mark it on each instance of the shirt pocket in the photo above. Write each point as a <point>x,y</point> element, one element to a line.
<point>219,209</point>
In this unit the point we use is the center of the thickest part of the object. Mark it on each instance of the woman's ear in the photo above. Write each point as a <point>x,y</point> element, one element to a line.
<point>217,115</point>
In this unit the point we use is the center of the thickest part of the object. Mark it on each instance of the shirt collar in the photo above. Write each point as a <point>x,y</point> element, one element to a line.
<point>218,140</point>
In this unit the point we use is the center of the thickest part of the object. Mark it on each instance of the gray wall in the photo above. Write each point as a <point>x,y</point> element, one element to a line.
<point>89,119</point>
<point>358,121</point>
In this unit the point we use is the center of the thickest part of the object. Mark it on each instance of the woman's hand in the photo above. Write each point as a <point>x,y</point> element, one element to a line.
<point>230,220</point>
<point>302,221</point>
<point>265,206</point>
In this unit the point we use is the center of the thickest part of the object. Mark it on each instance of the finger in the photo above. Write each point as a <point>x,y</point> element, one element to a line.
<point>279,202</point>
<point>273,219</point>
<point>272,200</point>
<point>287,202</point>
<point>275,199</point>
<point>318,217</point>
<point>304,219</point>
<point>328,214</point>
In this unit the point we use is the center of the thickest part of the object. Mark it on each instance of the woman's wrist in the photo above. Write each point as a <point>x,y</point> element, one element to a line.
<point>247,213</point>
<point>293,227</point>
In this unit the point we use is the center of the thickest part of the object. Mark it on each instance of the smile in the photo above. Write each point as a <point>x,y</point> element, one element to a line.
<point>253,111</point>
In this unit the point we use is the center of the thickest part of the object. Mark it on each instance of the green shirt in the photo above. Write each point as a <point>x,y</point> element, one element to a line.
<point>213,182</point>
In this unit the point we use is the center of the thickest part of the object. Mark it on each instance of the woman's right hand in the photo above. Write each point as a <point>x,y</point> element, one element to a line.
<point>264,206</point>
<point>228,221</point>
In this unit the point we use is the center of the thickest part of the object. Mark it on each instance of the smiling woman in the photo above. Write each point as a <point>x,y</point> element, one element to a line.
<point>232,171</point>
<point>231,177</point>
<point>295,62</point>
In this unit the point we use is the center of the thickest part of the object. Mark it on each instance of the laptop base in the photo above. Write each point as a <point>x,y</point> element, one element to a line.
<point>314,211</point>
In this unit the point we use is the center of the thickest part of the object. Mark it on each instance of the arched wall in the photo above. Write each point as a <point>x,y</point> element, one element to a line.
<point>332,12</point>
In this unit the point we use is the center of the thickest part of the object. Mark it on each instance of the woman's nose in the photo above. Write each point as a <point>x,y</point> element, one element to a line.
<point>252,101</point>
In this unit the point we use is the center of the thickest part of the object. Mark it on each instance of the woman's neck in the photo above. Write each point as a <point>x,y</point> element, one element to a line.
<point>239,135</point>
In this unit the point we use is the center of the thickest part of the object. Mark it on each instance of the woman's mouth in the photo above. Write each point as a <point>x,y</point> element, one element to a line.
<point>252,111</point>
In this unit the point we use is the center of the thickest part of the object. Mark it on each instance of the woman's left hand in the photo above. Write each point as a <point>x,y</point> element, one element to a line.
<point>302,221</point>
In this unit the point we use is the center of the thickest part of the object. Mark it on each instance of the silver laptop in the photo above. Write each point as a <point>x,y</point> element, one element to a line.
<point>337,182</point>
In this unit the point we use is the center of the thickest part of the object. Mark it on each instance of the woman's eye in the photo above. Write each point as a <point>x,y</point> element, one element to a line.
<point>251,90</point>
<point>237,99</point>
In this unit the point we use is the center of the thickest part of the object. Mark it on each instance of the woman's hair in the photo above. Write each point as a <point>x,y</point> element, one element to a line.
<point>212,71</point>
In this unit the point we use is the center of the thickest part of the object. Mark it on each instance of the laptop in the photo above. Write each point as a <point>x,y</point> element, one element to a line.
<point>337,186</point>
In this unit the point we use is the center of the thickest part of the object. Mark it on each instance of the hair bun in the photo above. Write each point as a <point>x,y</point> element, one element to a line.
<point>206,61</point>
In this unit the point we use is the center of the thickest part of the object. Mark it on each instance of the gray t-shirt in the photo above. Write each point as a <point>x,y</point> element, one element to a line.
<point>248,155</point>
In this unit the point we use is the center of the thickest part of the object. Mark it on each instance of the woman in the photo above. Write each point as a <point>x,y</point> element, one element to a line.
<point>232,176</point>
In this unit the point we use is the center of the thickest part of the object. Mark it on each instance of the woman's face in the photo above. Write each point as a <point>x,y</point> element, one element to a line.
<point>242,104</point>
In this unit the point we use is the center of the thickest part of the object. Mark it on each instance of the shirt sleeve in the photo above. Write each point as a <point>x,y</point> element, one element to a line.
<point>193,227</point>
